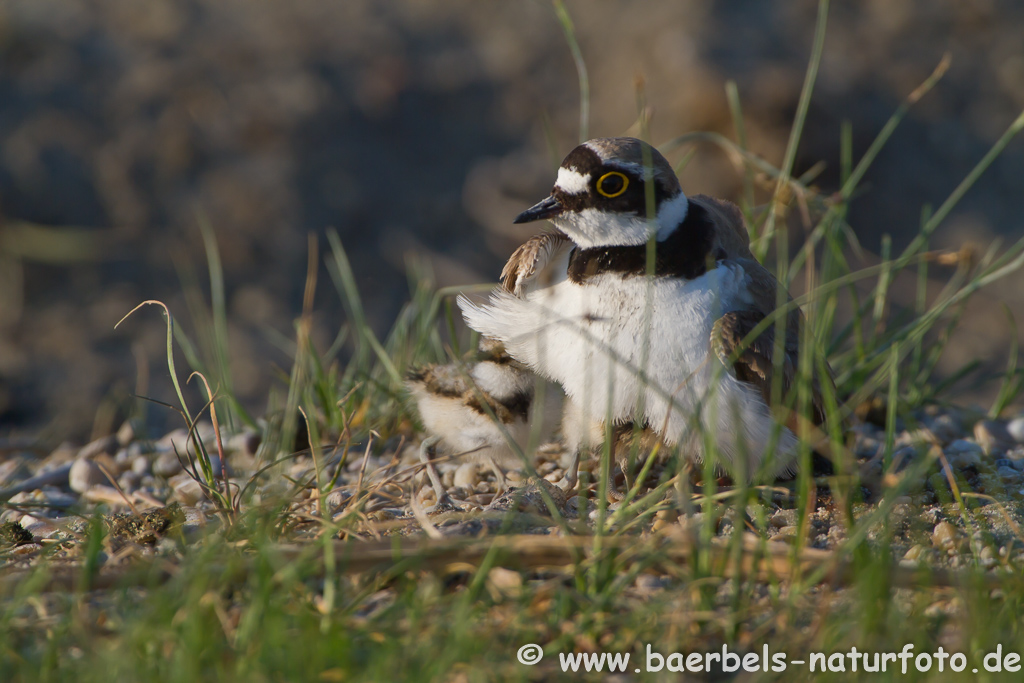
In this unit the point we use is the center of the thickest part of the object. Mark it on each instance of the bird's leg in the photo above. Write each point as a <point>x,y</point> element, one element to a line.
<point>572,473</point>
<point>426,452</point>
<point>499,476</point>
<point>612,493</point>
<point>623,460</point>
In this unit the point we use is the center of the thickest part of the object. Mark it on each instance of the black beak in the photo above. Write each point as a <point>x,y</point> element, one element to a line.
<point>546,208</point>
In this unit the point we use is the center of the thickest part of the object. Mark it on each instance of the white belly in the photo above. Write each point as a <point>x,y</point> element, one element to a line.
<point>634,349</point>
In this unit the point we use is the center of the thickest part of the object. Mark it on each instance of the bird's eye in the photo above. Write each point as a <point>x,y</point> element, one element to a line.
<point>612,184</point>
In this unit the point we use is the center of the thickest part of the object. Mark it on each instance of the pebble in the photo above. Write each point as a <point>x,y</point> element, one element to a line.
<point>167,464</point>
<point>336,498</point>
<point>127,433</point>
<point>63,454</point>
<point>783,518</point>
<point>505,582</point>
<point>964,458</point>
<point>786,534</point>
<point>1009,474</point>
<point>85,474</point>
<point>945,536</point>
<point>915,553</point>
<point>141,465</point>
<point>992,435</point>
<point>963,446</point>
<point>866,447</point>
<point>946,427</point>
<point>104,444</point>
<point>246,443</point>
<point>176,440</point>
<point>1016,457</point>
<point>13,470</point>
<point>186,489</point>
<point>40,528</point>
<point>1015,429</point>
<point>130,481</point>
<point>466,476</point>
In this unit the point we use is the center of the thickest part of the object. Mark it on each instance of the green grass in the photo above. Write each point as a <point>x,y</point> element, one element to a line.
<point>272,595</point>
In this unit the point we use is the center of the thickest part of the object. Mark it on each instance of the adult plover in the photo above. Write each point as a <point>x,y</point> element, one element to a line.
<point>577,307</point>
<point>484,410</point>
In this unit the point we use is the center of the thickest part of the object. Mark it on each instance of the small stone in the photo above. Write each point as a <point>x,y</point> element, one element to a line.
<point>648,583</point>
<point>963,446</point>
<point>914,554</point>
<point>301,472</point>
<point>186,489</point>
<point>669,515</point>
<point>660,524</point>
<point>964,459</point>
<point>783,518</point>
<point>382,515</point>
<point>1015,429</point>
<point>786,534</point>
<point>141,465</point>
<point>866,447</point>
<point>336,498</point>
<point>27,549</point>
<point>988,556</point>
<point>1009,474</point>
<point>13,470</point>
<point>84,475</point>
<point>215,466</point>
<point>992,435</point>
<point>946,427</point>
<point>945,536</point>
<point>38,527</point>
<point>127,433</point>
<point>177,440</point>
<point>246,443</point>
<point>123,460</point>
<point>63,454</point>
<point>130,481</point>
<point>505,582</point>
<point>104,444</point>
<point>167,464</point>
<point>466,476</point>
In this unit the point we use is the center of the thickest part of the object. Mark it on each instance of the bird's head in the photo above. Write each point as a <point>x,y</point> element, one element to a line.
<point>612,192</point>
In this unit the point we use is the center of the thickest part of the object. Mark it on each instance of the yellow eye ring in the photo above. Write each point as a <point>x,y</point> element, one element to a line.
<point>612,176</point>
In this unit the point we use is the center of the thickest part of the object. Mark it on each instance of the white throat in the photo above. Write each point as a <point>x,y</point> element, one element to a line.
<point>591,228</point>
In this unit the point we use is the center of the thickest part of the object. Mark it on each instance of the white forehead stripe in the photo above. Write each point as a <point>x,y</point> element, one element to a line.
<point>572,182</point>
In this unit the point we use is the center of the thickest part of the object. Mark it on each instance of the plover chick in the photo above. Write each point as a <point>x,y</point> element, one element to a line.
<point>486,410</point>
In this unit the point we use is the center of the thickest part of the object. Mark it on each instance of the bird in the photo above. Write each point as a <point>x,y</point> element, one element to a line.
<point>638,306</point>
<point>486,410</point>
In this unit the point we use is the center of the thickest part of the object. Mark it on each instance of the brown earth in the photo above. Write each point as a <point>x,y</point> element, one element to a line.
<point>419,128</point>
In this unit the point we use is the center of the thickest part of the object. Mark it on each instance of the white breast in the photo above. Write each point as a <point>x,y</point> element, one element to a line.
<point>629,348</point>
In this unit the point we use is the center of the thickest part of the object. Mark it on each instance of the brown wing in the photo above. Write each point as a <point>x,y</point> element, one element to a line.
<point>753,363</point>
<point>530,259</point>
<point>731,236</point>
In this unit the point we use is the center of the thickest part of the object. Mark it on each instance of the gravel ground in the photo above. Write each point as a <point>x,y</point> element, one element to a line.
<point>49,499</point>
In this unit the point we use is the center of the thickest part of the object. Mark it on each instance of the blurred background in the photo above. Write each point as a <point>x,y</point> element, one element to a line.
<point>421,128</point>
